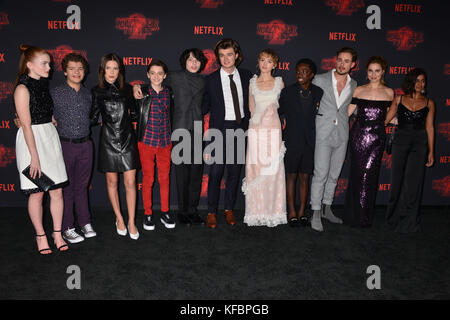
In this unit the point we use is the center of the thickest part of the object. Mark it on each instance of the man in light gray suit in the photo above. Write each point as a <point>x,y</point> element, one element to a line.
<point>331,135</point>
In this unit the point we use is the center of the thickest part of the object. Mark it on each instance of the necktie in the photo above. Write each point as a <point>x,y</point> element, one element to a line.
<point>234,93</point>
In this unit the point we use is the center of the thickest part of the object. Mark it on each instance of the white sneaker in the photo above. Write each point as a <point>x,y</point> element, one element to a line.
<point>72,236</point>
<point>88,231</point>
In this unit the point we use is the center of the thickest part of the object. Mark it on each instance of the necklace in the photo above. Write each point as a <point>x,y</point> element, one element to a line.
<point>303,96</point>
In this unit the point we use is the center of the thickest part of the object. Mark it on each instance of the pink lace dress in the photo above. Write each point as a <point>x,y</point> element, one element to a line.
<point>264,183</point>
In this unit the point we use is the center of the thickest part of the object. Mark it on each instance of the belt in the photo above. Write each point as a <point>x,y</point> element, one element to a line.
<point>76,140</point>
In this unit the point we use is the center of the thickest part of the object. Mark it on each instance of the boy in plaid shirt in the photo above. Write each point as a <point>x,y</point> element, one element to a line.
<point>154,131</point>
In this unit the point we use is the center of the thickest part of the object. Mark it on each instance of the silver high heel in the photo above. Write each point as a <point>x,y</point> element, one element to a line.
<point>121,232</point>
<point>133,236</point>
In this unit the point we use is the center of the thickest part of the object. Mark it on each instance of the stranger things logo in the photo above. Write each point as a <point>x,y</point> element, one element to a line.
<point>404,39</point>
<point>211,64</point>
<point>330,63</point>
<point>442,186</point>
<point>137,26</point>
<point>6,89</point>
<point>3,19</point>
<point>444,130</point>
<point>209,4</point>
<point>7,156</point>
<point>342,185</point>
<point>60,52</point>
<point>277,32</point>
<point>345,7</point>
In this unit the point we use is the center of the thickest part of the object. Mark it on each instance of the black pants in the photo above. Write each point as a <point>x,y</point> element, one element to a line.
<point>409,154</point>
<point>189,182</point>
<point>233,174</point>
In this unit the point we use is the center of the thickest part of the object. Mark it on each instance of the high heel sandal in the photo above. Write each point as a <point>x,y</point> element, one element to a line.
<point>46,249</point>
<point>63,246</point>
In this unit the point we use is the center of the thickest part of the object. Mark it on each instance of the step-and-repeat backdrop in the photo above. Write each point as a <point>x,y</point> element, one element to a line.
<point>407,33</point>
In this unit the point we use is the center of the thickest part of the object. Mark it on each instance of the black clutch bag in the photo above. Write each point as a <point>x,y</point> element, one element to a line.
<point>44,182</point>
<point>390,139</point>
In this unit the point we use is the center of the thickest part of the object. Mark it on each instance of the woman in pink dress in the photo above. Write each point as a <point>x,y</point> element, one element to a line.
<point>264,184</point>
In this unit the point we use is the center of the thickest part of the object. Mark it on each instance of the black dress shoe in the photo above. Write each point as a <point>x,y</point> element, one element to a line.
<point>184,219</point>
<point>293,222</point>
<point>196,219</point>
<point>304,222</point>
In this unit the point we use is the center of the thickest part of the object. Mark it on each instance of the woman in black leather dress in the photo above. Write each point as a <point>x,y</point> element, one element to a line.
<point>112,98</point>
<point>412,151</point>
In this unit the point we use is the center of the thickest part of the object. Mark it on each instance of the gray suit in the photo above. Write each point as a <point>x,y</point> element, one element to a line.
<point>331,141</point>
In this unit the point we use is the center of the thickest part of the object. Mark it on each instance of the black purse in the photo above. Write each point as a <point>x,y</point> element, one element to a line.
<point>390,138</point>
<point>44,182</point>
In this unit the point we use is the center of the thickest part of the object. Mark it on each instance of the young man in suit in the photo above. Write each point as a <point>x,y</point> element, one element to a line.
<point>299,103</point>
<point>226,99</point>
<point>331,135</point>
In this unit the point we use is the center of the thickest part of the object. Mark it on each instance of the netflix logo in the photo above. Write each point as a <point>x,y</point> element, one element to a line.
<point>409,8</point>
<point>5,124</point>
<point>137,61</point>
<point>2,57</point>
<point>7,187</point>
<point>444,130</point>
<point>278,2</point>
<point>284,66</point>
<point>217,31</point>
<point>404,39</point>
<point>61,25</point>
<point>384,187</point>
<point>342,185</point>
<point>342,36</point>
<point>400,70</point>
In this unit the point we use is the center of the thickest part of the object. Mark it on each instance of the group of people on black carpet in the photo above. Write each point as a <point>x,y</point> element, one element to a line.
<point>303,127</point>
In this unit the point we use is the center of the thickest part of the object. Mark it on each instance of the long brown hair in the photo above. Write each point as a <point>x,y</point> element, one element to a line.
<point>102,67</point>
<point>381,61</point>
<point>28,54</point>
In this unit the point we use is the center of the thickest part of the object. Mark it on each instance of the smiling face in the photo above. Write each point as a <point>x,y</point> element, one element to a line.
<point>156,75</point>
<point>344,63</point>
<point>266,63</point>
<point>111,71</point>
<point>375,72</point>
<point>39,66</point>
<point>74,72</point>
<point>420,83</point>
<point>304,75</point>
<point>192,64</point>
<point>227,58</point>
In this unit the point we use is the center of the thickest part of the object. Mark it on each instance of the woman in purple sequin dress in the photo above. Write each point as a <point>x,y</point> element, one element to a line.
<point>367,137</point>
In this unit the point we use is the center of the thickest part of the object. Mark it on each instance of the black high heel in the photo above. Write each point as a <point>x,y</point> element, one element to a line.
<point>46,249</point>
<point>63,246</point>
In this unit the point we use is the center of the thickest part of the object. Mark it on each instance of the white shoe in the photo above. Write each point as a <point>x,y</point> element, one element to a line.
<point>88,231</point>
<point>316,222</point>
<point>72,236</point>
<point>133,236</point>
<point>121,232</point>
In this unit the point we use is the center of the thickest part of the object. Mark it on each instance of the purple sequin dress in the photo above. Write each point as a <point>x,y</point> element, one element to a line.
<point>367,138</point>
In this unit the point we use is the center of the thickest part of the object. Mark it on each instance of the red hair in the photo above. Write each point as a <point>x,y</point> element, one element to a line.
<point>28,54</point>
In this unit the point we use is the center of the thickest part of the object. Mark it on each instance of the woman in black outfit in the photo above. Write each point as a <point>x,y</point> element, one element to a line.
<point>112,97</point>
<point>412,150</point>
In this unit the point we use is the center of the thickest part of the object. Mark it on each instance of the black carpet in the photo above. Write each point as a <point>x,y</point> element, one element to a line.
<point>230,263</point>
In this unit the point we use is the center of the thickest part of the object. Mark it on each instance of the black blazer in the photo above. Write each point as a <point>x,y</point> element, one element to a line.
<point>213,100</point>
<point>298,120</point>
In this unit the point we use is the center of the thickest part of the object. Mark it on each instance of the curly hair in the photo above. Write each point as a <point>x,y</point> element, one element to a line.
<point>74,57</point>
<point>410,80</point>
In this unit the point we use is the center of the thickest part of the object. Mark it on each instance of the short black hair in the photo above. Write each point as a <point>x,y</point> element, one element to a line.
<point>197,53</point>
<point>158,63</point>
<point>309,62</point>
<point>348,50</point>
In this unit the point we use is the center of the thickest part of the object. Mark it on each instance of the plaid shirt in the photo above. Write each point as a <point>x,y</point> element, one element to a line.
<point>157,132</point>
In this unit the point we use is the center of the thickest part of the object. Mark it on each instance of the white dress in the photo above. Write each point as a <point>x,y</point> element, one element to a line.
<point>264,183</point>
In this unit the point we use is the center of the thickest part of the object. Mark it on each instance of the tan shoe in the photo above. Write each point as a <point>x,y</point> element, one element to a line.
<point>211,221</point>
<point>229,216</point>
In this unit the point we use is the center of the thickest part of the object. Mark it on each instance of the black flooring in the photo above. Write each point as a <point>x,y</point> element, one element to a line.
<point>230,263</point>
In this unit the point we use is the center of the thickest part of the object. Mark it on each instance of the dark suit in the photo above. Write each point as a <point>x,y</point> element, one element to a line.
<point>300,132</point>
<point>213,102</point>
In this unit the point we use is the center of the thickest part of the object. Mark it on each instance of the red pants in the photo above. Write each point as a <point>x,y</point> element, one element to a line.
<point>147,155</point>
